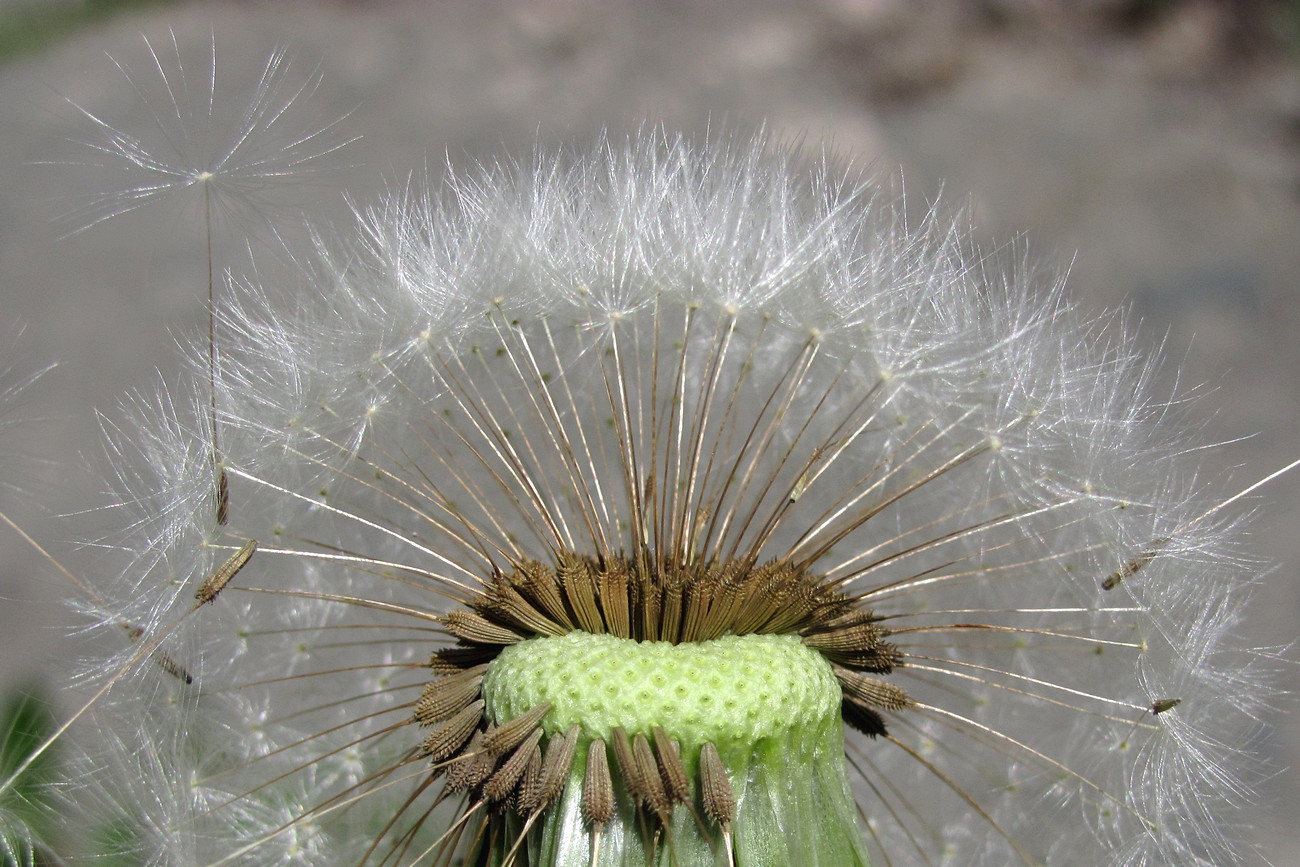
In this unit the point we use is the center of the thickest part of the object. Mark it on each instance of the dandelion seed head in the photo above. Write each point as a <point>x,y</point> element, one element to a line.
<point>667,393</point>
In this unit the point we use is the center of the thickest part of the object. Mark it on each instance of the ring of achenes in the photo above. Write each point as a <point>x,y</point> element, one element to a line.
<point>636,683</point>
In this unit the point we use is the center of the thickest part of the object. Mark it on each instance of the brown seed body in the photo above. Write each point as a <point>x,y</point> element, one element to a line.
<point>597,786</point>
<point>216,582</point>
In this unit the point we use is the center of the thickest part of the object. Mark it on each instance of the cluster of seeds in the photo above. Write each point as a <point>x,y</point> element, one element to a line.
<point>520,762</point>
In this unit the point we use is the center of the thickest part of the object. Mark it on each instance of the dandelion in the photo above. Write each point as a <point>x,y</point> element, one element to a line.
<point>675,503</point>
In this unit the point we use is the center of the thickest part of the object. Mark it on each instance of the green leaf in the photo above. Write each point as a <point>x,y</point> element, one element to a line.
<point>26,722</point>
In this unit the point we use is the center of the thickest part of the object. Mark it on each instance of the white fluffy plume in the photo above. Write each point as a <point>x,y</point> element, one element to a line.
<point>711,350</point>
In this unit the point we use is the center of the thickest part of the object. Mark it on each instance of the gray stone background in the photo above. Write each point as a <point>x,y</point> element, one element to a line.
<point>1150,148</point>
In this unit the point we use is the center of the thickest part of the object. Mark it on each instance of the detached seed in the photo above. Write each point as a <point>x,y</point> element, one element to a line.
<point>1134,566</point>
<point>215,582</point>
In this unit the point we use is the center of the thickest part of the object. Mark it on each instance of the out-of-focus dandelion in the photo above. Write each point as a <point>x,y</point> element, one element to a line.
<point>674,504</point>
<point>31,772</point>
<point>23,717</point>
<point>26,725</point>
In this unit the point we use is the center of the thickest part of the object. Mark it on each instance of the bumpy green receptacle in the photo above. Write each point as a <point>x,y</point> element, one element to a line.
<point>768,703</point>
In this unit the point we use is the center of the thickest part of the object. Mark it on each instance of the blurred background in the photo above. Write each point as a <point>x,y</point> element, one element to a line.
<point>1151,148</point>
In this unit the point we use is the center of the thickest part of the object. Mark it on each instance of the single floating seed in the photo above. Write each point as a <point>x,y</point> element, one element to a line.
<point>217,581</point>
<point>799,487</point>
<point>160,657</point>
<point>223,496</point>
<point>1134,566</point>
<point>165,661</point>
<point>1164,704</point>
